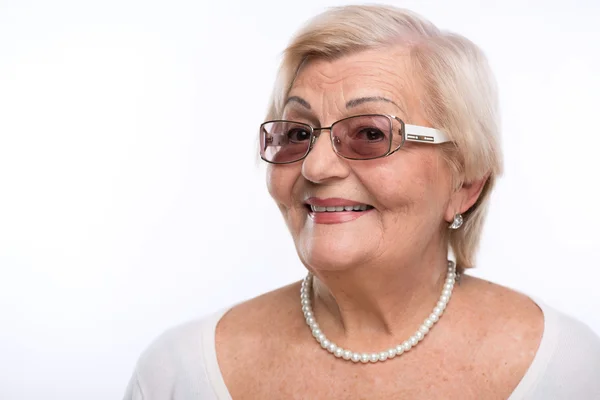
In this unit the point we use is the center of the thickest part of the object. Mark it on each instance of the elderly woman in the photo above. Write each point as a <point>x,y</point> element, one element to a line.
<point>382,140</point>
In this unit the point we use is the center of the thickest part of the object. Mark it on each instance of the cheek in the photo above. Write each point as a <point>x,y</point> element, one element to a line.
<point>411,182</point>
<point>280,183</point>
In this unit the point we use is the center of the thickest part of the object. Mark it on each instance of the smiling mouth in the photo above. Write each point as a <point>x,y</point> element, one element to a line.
<point>332,209</point>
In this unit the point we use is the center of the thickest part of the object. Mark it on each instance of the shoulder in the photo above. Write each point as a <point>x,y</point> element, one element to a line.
<point>555,355</point>
<point>568,359</point>
<point>176,362</point>
<point>519,315</point>
<point>501,326</point>
<point>259,326</point>
<point>564,329</point>
<point>248,319</point>
<point>508,321</point>
<point>173,347</point>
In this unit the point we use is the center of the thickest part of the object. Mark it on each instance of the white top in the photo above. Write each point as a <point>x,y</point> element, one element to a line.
<point>182,363</point>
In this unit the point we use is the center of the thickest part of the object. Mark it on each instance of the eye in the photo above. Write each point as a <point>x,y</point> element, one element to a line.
<point>298,135</point>
<point>371,135</point>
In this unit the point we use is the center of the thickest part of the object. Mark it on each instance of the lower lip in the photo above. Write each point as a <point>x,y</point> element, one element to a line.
<point>337,217</point>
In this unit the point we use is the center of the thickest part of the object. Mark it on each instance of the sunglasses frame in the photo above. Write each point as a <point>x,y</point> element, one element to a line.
<point>411,133</point>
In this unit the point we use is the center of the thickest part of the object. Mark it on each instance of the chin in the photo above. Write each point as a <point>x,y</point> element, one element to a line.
<point>334,253</point>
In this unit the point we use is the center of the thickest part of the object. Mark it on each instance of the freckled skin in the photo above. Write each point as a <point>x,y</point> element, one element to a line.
<point>381,272</point>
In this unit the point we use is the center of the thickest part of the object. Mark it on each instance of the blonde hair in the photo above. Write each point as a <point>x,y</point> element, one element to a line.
<point>460,92</point>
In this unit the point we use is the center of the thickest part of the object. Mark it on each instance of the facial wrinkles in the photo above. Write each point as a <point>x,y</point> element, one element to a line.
<point>418,188</point>
<point>403,187</point>
<point>328,86</point>
<point>323,89</point>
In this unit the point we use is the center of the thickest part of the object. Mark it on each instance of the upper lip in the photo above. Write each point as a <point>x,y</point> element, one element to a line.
<point>332,202</point>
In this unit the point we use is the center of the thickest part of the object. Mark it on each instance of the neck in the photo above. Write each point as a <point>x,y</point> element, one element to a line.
<point>379,302</point>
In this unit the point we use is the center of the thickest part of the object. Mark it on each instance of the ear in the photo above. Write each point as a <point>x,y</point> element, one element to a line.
<point>465,197</point>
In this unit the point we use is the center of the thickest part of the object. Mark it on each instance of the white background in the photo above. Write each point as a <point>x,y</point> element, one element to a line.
<point>130,195</point>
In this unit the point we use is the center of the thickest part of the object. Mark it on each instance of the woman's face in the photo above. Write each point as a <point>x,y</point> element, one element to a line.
<point>410,192</point>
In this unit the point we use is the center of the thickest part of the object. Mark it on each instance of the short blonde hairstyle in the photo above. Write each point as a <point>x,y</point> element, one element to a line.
<point>460,96</point>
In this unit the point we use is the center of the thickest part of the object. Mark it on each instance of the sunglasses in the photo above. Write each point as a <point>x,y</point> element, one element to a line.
<point>360,137</point>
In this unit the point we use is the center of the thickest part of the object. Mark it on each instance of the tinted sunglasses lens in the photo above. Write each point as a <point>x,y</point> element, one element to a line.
<point>284,141</point>
<point>364,137</point>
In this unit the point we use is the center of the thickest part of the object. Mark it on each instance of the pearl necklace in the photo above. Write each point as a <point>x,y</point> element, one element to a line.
<point>411,342</point>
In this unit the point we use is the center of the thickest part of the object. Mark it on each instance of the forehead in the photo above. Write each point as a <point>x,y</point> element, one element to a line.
<point>382,72</point>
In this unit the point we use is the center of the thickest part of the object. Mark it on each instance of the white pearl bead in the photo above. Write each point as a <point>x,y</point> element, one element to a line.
<point>384,355</point>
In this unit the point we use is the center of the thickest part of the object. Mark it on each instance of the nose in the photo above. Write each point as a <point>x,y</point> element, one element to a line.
<point>322,163</point>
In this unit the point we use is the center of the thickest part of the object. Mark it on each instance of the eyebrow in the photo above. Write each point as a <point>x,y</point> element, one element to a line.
<point>352,103</point>
<point>361,100</point>
<point>298,100</point>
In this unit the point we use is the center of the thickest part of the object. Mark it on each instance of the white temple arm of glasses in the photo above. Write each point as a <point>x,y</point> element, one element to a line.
<point>422,134</point>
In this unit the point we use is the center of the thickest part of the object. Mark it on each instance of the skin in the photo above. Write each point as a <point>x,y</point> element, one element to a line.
<point>377,277</point>
<point>363,265</point>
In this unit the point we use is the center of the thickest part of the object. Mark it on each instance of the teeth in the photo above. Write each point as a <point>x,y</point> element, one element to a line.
<point>358,207</point>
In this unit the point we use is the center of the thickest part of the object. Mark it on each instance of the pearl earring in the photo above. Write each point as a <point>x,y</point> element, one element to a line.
<point>457,223</point>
